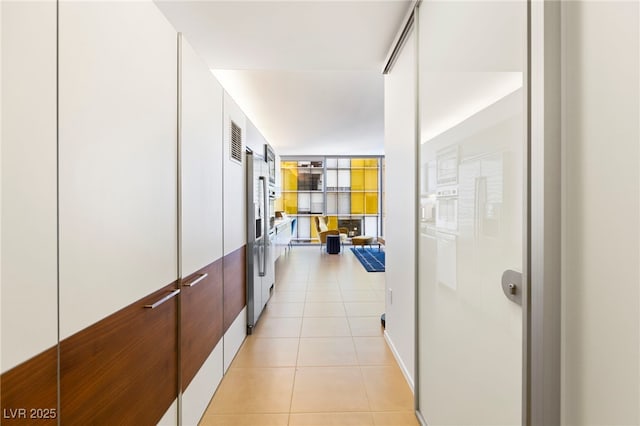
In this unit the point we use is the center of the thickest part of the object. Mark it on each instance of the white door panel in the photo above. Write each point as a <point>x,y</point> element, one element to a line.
<point>201,168</point>
<point>118,177</point>
<point>472,140</point>
<point>29,240</point>
<point>235,223</point>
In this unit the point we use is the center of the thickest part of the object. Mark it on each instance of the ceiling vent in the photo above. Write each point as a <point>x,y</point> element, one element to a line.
<point>236,143</point>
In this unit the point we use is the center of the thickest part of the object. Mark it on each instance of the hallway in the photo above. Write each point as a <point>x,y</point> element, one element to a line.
<point>318,355</point>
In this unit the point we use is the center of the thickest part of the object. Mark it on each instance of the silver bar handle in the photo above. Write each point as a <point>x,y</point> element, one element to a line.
<point>164,299</point>
<point>196,281</point>
<point>265,226</point>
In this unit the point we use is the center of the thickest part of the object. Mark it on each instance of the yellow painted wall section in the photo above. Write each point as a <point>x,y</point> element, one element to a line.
<point>357,162</point>
<point>357,179</point>
<point>289,183</point>
<point>290,179</point>
<point>371,202</point>
<point>314,231</point>
<point>290,202</point>
<point>332,222</point>
<point>371,179</point>
<point>357,203</point>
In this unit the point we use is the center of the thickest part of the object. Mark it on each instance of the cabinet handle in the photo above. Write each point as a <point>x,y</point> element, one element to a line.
<point>164,299</point>
<point>196,281</point>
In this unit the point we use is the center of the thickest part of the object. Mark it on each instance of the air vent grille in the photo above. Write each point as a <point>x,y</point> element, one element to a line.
<point>236,143</point>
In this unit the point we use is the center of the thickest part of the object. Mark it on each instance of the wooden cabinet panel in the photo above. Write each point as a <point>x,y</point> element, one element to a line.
<point>200,319</point>
<point>30,391</point>
<point>123,369</point>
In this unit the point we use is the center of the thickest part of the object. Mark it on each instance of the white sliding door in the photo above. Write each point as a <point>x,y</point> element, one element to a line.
<point>472,58</point>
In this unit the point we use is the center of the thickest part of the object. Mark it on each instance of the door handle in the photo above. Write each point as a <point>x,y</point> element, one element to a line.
<point>266,215</point>
<point>164,299</point>
<point>196,281</point>
<point>512,285</point>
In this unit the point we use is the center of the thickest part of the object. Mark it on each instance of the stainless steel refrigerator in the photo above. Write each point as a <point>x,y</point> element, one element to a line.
<point>260,238</point>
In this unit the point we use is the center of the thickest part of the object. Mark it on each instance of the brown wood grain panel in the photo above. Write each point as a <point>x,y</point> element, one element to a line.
<point>123,369</point>
<point>200,319</point>
<point>235,285</point>
<point>30,391</point>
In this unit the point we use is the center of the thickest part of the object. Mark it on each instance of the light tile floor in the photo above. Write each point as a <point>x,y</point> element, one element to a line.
<point>317,356</point>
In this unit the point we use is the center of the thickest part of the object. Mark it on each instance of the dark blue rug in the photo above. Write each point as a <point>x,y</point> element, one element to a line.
<point>371,259</point>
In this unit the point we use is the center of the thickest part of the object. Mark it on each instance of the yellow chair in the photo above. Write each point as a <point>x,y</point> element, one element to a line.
<point>323,230</point>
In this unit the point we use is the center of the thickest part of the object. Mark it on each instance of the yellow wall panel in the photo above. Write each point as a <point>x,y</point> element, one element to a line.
<point>357,162</point>
<point>290,202</point>
<point>332,222</point>
<point>357,179</point>
<point>371,202</point>
<point>357,203</point>
<point>314,231</point>
<point>289,179</point>
<point>371,180</point>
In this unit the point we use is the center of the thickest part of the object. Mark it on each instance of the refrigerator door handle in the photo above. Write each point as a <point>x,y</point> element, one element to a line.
<point>263,263</point>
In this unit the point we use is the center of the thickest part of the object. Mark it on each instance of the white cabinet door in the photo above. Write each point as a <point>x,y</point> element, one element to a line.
<point>235,223</point>
<point>118,156</point>
<point>201,316</point>
<point>201,163</point>
<point>29,222</point>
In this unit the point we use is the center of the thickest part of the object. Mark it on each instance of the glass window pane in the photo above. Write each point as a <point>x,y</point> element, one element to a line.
<point>304,202</point>
<point>344,203</point>
<point>332,203</point>
<point>332,162</point>
<point>344,163</point>
<point>304,228</point>
<point>332,180</point>
<point>344,180</point>
<point>371,226</point>
<point>317,203</point>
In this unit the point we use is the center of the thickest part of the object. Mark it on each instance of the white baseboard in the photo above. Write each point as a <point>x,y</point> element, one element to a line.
<point>403,367</point>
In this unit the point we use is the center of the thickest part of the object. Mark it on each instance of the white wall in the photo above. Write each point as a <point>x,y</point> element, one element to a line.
<point>601,312</point>
<point>118,156</point>
<point>29,264</point>
<point>400,155</point>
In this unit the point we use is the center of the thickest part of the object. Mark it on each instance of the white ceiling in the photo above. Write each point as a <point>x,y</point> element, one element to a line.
<point>307,73</point>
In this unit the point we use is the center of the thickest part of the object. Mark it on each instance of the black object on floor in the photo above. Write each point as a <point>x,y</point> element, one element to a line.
<point>382,320</point>
<point>333,244</point>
